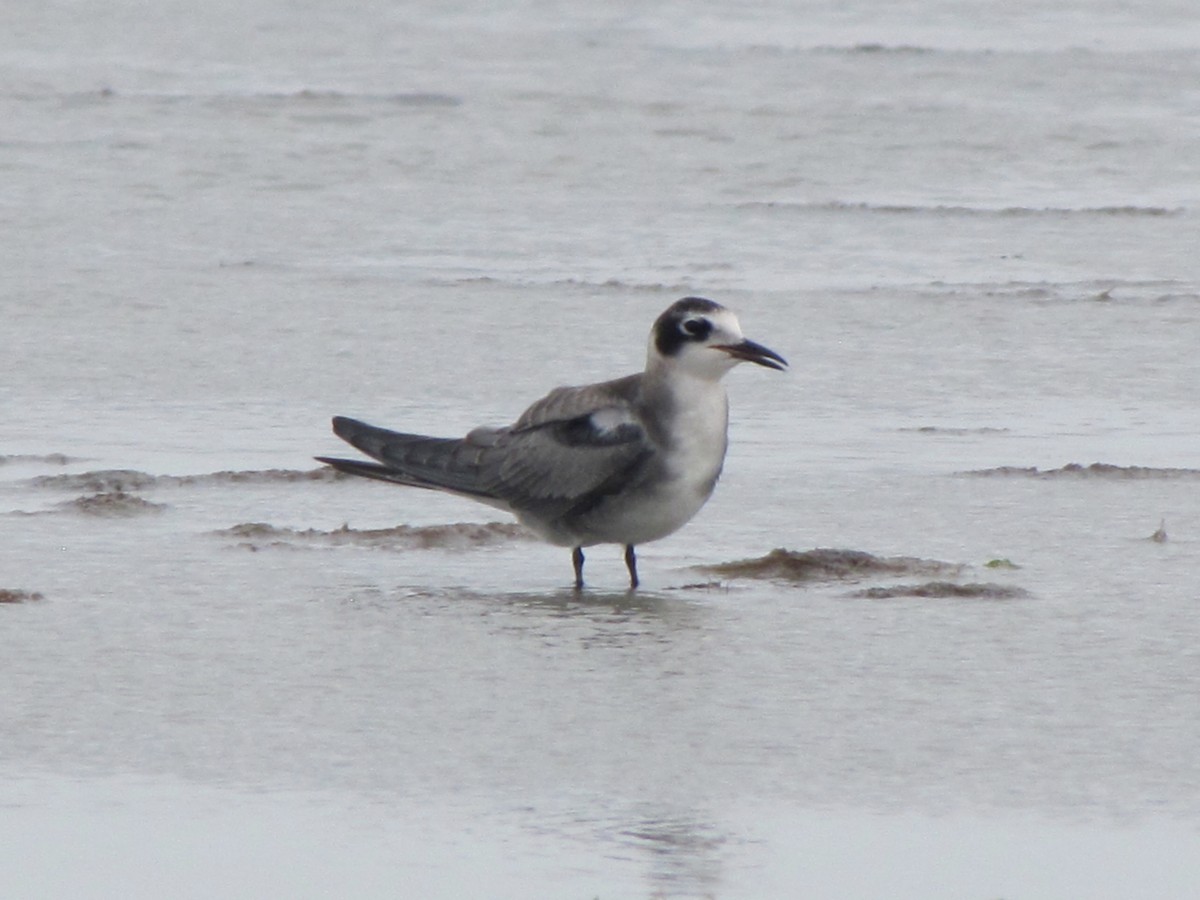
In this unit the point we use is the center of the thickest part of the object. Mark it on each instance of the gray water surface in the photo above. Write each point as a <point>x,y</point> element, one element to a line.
<point>973,234</point>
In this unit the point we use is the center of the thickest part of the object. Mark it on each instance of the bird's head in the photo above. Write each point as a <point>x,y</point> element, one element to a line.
<point>704,339</point>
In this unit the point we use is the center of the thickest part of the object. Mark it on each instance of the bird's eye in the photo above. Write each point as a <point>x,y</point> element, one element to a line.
<point>697,329</point>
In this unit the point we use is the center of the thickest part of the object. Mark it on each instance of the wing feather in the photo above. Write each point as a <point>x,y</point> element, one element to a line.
<point>449,464</point>
<point>574,444</point>
<point>562,456</point>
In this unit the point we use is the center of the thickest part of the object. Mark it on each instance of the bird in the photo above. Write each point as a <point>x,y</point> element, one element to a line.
<point>625,462</point>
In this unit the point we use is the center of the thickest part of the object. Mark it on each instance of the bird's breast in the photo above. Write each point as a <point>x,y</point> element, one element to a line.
<point>688,427</point>
<point>696,438</point>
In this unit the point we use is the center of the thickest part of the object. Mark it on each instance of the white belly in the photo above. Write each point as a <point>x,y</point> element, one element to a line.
<point>694,452</point>
<point>655,515</point>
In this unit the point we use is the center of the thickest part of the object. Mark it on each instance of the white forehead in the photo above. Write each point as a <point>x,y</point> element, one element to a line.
<point>723,320</point>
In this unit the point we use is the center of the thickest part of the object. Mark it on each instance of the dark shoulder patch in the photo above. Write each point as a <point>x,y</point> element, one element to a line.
<point>581,431</point>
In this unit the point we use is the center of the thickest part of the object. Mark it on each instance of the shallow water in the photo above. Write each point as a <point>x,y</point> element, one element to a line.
<point>934,636</point>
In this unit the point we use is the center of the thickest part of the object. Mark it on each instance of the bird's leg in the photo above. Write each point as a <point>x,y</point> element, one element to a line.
<point>577,562</point>
<point>631,565</point>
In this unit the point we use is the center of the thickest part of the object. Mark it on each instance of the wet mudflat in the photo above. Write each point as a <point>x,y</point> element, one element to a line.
<point>936,634</point>
<point>739,728</point>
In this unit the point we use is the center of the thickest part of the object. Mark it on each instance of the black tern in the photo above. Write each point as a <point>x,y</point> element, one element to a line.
<point>620,462</point>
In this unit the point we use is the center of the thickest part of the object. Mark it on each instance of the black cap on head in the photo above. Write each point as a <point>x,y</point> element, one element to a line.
<point>683,322</point>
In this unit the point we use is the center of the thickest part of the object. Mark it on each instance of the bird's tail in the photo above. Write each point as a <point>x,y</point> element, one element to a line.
<point>416,460</point>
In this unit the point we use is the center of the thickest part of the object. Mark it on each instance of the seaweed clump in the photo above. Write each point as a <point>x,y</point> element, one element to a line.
<point>828,565</point>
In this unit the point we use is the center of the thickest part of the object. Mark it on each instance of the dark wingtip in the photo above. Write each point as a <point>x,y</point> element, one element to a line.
<point>358,467</point>
<point>349,466</point>
<point>347,429</point>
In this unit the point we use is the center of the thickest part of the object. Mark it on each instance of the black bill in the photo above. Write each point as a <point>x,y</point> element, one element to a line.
<point>755,353</point>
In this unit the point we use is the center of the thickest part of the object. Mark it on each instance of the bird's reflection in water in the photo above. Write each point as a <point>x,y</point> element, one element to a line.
<point>603,617</point>
<point>682,852</point>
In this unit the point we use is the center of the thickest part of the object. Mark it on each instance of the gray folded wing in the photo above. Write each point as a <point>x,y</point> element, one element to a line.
<point>564,454</point>
<point>571,449</point>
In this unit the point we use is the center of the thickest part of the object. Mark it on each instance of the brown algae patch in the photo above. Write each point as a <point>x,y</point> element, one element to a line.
<point>1095,470</point>
<point>50,459</point>
<point>103,481</point>
<point>827,565</point>
<point>7,595</point>
<point>132,480</point>
<point>944,589</point>
<point>112,503</point>
<point>455,536</point>
<point>260,476</point>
